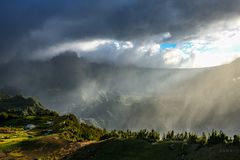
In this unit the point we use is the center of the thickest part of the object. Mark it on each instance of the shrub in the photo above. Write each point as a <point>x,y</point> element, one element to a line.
<point>71,130</point>
<point>192,138</point>
<point>3,116</point>
<point>236,139</point>
<point>153,136</point>
<point>217,137</point>
<point>203,139</point>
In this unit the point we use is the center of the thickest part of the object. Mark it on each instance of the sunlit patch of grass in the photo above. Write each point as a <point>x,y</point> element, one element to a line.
<point>16,153</point>
<point>13,136</point>
<point>24,142</point>
<point>13,140</point>
<point>8,147</point>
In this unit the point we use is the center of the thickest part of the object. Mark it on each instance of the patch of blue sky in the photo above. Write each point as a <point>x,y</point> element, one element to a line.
<point>188,47</point>
<point>165,46</point>
<point>236,48</point>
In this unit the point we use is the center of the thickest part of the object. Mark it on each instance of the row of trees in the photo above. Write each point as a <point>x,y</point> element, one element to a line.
<point>215,137</point>
<point>151,136</point>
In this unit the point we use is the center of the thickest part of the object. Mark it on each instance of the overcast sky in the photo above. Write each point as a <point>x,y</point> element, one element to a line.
<point>146,33</point>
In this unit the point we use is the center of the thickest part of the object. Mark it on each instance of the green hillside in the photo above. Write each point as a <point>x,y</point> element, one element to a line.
<point>21,106</point>
<point>64,137</point>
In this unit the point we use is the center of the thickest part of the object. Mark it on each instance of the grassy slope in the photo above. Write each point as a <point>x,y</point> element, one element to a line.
<point>33,148</point>
<point>143,150</point>
<point>17,143</point>
<point>216,152</point>
<point>128,150</point>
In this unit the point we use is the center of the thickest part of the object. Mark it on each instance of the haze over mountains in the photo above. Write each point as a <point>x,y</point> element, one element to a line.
<point>129,97</point>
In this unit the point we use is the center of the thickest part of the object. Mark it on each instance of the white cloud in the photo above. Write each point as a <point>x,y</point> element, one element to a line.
<point>127,45</point>
<point>133,52</point>
<point>173,57</point>
<point>210,59</point>
<point>82,47</point>
<point>148,49</point>
<point>217,44</point>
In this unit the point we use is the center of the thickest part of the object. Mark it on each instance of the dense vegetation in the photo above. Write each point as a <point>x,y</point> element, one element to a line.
<point>70,129</point>
<point>20,111</point>
<point>212,138</point>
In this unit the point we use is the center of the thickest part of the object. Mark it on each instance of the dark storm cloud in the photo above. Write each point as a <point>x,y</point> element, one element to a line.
<point>28,25</point>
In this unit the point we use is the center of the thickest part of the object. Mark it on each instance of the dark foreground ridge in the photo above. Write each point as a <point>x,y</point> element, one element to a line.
<point>136,149</point>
